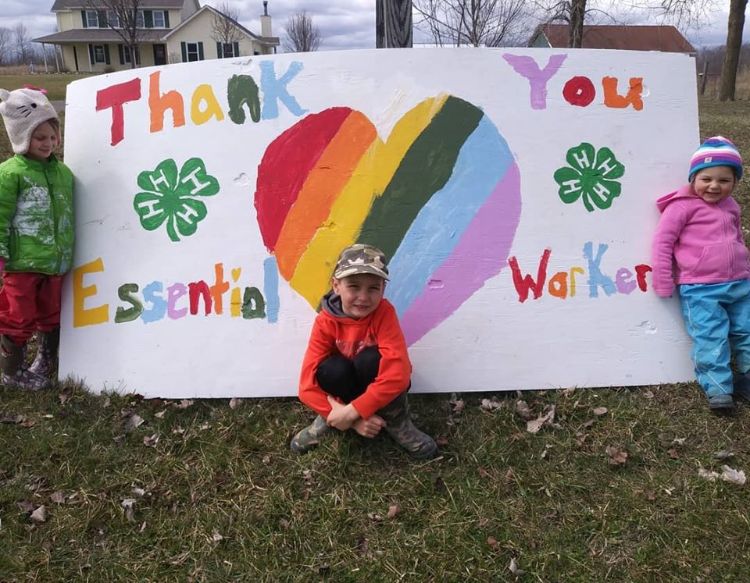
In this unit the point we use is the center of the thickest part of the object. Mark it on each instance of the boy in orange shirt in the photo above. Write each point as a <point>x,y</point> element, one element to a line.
<point>356,370</point>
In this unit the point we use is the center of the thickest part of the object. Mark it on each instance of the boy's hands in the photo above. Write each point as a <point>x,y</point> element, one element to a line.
<point>369,427</point>
<point>342,417</point>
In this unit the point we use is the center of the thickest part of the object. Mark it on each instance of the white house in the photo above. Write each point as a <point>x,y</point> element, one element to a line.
<point>170,31</point>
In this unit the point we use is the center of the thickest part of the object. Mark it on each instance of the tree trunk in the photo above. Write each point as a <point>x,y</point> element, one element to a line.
<point>379,24</point>
<point>734,45</point>
<point>575,30</point>
<point>396,23</point>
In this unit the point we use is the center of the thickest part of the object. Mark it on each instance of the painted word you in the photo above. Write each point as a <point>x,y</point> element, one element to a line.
<point>157,300</point>
<point>579,90</point>
<point>242,92</point>
<point>563,284</point>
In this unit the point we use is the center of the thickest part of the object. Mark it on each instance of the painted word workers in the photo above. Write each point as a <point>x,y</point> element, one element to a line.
<point>563,284</point>
<point>242,92</point>
<point>158,301</point>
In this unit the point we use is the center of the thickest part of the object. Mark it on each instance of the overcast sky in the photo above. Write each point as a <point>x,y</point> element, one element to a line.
<point>344,24</point>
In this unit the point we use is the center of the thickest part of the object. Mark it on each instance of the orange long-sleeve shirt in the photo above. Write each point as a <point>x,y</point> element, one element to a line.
<point>347,336</point>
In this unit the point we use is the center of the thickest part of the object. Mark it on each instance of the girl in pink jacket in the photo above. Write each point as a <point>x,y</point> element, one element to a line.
<point>699,248</point>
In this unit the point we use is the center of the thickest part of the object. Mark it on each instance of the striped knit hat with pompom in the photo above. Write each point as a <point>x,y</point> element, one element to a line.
<point>716,151</point>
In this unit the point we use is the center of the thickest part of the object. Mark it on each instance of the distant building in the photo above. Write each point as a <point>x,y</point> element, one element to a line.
<point>171,31</point>
<point>666,39</point>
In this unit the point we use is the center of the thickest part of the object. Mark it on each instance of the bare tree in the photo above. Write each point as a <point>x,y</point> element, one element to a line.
<point>21,42</point>
<point>6,36</point>
<point>476,23</point>
<point>224,27</point>
<point>302,35</point>
<point>691,11</point>
<point>734,46</point>
<point>122,16</point>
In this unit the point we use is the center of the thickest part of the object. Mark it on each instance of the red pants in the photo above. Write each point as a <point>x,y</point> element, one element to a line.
<point>29,302</point>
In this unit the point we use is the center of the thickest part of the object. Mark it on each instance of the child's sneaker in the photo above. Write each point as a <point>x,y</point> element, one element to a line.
<point>742,386</point>
<point>721,403</point>
<point>25,380</point>
<point>310,436</point>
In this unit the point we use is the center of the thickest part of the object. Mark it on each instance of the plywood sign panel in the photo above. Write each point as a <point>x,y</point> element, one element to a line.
<point>513,190</point>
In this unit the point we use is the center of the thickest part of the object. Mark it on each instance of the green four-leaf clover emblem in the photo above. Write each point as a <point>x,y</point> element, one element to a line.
<point>172,197</point>
<point>591,177</point>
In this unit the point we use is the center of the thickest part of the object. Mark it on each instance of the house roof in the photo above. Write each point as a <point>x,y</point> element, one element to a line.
<point>144,4</point>
<point>666,39</point>
<point>100,35</point>
<point>266,40</point>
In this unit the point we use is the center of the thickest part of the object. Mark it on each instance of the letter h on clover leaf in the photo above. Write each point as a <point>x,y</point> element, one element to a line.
<point>172,197</point>
<point>590,176</point>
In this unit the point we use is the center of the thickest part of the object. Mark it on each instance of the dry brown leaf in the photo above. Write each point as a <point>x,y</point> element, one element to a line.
<point>513,568</point>
<point>57,497</point>
<point>708,474</point>
<point>27,423</point>
<point>216,536</point>
<point>724,454</point>
<point>673,453</point>
<point>457,405</point>
<point>375,517</point>
<point>544,419</point>
<point>133,422</point>
<point>599,411</point>
<point>588,424</point>
<point>12,419</point>
<point>234,402</point>
<point>617,456</point>
<point>63,398</point>
<point>492,542</point>
<point>523,411</point>
<point>25,506</point>
<point>490,404</point>
<point>733,476</point>
<point>128,504</point>
<point>39,515</point>
<point>151,440</point>
<point>184,403</point>
<point>160,414</point>
<point>393,511</point>
<point>441,440</point>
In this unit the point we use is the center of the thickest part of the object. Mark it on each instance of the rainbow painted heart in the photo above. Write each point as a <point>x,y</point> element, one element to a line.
<point>441,197</point>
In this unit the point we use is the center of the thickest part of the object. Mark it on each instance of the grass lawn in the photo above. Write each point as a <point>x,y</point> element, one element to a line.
<point>151,490</point>
<point>55,84</point>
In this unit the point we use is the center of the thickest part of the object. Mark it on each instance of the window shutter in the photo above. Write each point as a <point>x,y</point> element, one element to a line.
<point>83,17</point>
<point>137,51</point>
<point>101,17</point>
<point>91,54</point>
<point>236,49</point>
<point>166,18</point>
<point>200,51</point>
<point>148,17</point>
<point>183,48</point>
<point>219,50</point>
<point>106,54</point>
<point>120,51</point>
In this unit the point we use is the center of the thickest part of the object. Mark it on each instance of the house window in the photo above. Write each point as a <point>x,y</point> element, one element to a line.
<point>126,55</point>
<point>99,56</point>
<point>192,52</point>
<point>227,50</point>
<point>159,20</point>
<point>113,19</point>
<point>92,19</point>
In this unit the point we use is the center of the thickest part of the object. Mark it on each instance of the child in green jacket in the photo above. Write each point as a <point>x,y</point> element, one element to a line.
<point>36,237</point>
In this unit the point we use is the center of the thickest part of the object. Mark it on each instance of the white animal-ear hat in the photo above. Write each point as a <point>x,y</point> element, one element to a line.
<point>23,110</point>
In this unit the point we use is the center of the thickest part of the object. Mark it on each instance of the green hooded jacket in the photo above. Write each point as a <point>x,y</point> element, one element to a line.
<point>36,215</point>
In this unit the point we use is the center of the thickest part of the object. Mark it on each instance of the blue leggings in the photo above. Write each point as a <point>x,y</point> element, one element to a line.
<point>717,318</point>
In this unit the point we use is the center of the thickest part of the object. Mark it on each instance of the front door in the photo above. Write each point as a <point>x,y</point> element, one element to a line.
<point>160,55</point>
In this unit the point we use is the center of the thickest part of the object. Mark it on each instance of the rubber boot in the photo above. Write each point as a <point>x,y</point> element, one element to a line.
<point>310,436</point>
<point>46,355</point>
<point>399,426</point>
<point>14,376</point>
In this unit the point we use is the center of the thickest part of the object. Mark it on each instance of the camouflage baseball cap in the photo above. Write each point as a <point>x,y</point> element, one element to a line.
<point>361,258</point>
